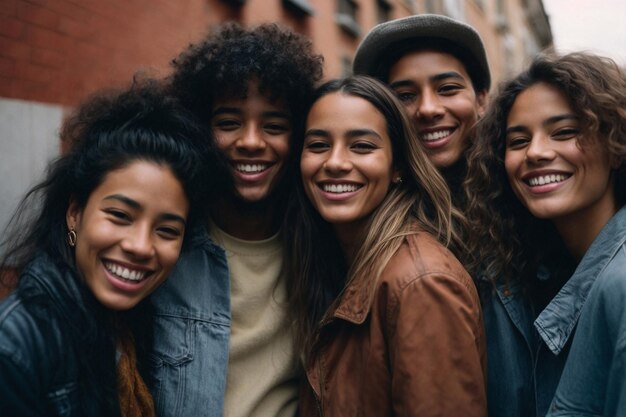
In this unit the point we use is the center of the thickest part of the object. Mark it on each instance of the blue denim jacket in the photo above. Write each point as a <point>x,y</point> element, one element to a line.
<point>526,352</point>
<point>594,379</point>
<point>191,334</point>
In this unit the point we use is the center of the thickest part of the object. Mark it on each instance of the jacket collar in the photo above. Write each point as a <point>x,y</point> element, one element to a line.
<point>557,321</point>
<point>356,300</point>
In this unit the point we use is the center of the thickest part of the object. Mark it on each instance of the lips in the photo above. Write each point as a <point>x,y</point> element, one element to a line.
<point>125,273</point>
<point>251,168</point>
<point>545,178</point>
<point>435,135</point>
<point>339,188</point>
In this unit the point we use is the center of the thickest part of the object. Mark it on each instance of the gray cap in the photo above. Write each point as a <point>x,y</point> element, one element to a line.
<point>379,45</point>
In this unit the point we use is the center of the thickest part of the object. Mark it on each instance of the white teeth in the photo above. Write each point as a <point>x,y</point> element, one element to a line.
<point>547,179</point>
<point>340,188</point>
<point>125,273</point>
<point>436,135</point>
<point>248,168</point>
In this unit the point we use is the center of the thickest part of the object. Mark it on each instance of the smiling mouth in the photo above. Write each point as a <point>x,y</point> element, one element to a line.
<point>125,274</point>
<point>546,179</point>
<point>251,168</point>
<point>339,188</point>
<point>436,135</point>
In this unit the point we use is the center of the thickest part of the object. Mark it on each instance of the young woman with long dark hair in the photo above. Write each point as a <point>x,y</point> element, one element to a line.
<point>89,243</point>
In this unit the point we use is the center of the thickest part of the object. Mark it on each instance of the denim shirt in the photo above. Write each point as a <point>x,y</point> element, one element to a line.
<point>594,379</point>
<point>191,333</point>
<point>526,353</point>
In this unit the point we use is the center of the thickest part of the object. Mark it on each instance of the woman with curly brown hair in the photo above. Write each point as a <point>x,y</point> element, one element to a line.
<point>547,177</point>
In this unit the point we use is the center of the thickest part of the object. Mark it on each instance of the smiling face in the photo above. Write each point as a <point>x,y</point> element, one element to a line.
<point>254,134</point>
<point>438,95</point>
<point>550,171</point>
<point>346,163</point>
<point>130,232</point>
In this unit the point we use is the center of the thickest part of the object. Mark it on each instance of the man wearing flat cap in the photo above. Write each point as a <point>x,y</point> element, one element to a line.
<point>438,68</point>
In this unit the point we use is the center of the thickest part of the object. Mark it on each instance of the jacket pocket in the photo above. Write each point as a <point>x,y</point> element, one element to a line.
<point>171,353</point>
<point>64,400</point>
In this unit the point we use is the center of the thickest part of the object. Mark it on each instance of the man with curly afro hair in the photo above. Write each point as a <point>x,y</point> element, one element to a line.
<point>222,338</point>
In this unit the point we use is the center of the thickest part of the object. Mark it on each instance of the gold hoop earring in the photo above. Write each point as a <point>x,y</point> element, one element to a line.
<point>71,237</point>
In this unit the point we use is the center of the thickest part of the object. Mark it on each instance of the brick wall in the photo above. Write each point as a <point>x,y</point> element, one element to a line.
<point>57,51</point>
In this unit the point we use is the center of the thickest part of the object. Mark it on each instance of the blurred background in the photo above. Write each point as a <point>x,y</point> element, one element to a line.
<point>53,53</point>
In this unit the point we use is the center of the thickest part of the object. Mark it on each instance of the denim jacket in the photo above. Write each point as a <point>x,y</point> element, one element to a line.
<point>526,352</point>
<point>594,379</point>
<point>191,333</point>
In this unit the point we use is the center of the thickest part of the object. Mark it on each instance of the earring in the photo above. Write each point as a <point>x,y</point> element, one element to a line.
<point>71,237</point>
<point>397,180</point>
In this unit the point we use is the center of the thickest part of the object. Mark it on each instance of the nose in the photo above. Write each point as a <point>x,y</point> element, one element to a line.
<point>251,139</point>
<point>539,149</point>
<point>429,106</point>
<point>139,242</point>
<point>338,160</point>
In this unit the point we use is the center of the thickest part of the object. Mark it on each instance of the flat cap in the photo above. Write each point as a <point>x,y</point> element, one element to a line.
<point>375,52</point>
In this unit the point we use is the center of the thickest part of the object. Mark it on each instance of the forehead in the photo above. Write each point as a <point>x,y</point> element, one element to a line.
<point>251,92</point>
<point>424,63</point>
<point>538,102</point>
<point>344,109</point>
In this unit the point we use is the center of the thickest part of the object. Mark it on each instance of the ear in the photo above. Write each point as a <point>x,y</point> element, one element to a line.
<point>73,213</point>
<point>395,174</point>
<point>482,101</point>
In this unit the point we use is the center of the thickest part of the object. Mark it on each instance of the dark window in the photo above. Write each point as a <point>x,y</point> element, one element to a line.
<point>299,6</point>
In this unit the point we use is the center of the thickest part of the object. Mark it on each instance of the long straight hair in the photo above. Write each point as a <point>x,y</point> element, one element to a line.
<point>421,202</point>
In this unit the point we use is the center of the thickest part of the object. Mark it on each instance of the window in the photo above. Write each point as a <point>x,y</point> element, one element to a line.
<point>346,17</point>
<point>299,6</point>
<point>383,10</point>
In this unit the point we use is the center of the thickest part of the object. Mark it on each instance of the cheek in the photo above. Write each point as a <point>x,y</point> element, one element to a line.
<point>168,255</point>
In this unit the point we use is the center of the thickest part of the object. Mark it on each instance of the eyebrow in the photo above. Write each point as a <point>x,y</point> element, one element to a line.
<point>436,77</point>
<point>353,133</point>
<point>547,122</point>
<point>135,205</point>
<point>236,110</point>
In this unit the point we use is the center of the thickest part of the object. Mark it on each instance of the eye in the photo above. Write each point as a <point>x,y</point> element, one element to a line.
<point>517,142</point>
<point>450,89</point>
<point>566,133</point>
<point>363,147</point>
<point>169,232</point>
<point>118,216</point>
<point>316,146</point>
<point>276,128</point>
<point>226,124</point>
<point>406,96</point>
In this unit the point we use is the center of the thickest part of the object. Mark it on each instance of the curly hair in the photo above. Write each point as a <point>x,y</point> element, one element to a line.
<point>505,240</point>
<point>107,132</point>
<point>230,56</point>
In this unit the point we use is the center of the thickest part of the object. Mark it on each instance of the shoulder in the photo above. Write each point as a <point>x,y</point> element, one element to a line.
<point>422,257</point>
<point>29,336</point>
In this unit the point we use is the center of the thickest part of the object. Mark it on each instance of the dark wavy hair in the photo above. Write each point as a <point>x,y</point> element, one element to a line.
<point>505,240</point>
<point>107,132</point>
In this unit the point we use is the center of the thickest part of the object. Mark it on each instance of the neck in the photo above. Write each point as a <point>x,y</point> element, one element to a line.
<point>350,236</point>
<point>580,229</point>
<point>246,221</point>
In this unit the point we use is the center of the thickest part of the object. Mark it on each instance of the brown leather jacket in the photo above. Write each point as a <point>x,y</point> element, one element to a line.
<point>410,344</point>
